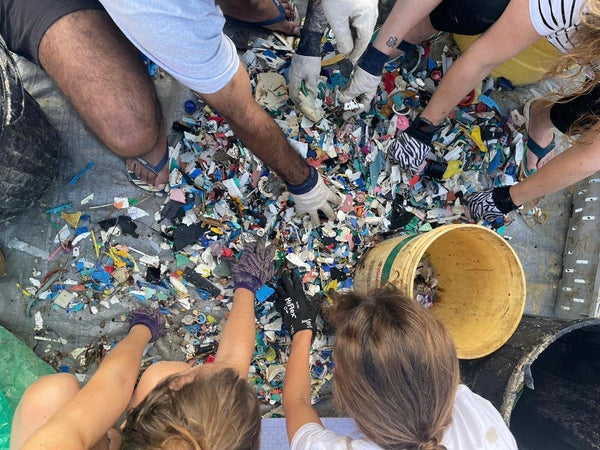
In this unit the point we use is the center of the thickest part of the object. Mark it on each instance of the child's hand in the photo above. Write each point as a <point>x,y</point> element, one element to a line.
<point>153,320</point>
<point>255,266</point>
<point>291,302</point>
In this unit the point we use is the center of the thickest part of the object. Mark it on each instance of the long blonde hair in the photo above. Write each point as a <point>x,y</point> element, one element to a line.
<point>219,411</point>
<point>396,369</point>
<point>584,56</point>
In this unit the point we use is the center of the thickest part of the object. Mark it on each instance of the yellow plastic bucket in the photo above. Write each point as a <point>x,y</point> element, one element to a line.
<point>481,293</point>
<point>527,67</point>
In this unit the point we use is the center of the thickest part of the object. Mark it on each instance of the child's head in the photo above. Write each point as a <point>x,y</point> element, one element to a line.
<point>396,370</point>
<point>210,412</point>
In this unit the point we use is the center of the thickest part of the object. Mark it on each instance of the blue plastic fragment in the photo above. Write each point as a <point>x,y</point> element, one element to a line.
<point>264,293</point>
<point>489,103</point>
<point>190,106</point>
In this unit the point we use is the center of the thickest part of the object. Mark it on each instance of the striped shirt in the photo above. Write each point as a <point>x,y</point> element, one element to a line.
<point>557,20</point>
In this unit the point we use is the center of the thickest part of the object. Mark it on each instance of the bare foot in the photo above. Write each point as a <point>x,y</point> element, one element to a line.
<point>160,180</point>
<point>260,10</point>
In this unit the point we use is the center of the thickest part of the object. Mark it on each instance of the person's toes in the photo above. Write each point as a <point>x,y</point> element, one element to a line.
<point>157,180</point>
<point>285,27</point>
<point>545,159</point>
<point>532,161</point>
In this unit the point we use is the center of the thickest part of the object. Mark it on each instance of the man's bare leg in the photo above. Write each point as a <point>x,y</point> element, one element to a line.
<point>261,10</point>
<point>104,78</point>
<point>256,129</point>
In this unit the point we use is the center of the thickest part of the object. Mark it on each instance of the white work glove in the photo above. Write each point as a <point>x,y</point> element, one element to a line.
<point>317,199</point>
<point>362,86</point>
<point>307,69</point>
<point>345,15</point>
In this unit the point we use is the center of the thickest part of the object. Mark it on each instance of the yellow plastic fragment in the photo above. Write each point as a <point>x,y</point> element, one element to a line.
<point>96,246</point>
<point>453,168</point>
<point>23,290</point>
<point>71,219</point>
<point>475,134</point>
<point>333,60</point>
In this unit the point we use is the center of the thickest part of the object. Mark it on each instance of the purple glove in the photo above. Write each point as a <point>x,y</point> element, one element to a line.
<point>255,267</point>
<point>153,320</point>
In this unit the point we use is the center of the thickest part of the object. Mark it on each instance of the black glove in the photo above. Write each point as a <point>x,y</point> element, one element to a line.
<point>153,320</point>
<point>290,300</point>
<point>490,204</point>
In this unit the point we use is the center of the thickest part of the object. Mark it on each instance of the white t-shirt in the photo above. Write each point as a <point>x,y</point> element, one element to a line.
<point>476,425</point>
<point>557,20</point>
<point>184,37</point>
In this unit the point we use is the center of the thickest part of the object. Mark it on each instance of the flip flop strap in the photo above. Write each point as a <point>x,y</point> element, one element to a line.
<point>281,16</point>
<point>158,167</point>
<point>537,149</point>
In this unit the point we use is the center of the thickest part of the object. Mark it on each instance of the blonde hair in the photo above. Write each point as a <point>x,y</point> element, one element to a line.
<point>219,411</point>
<point>585,55</point>
<point>396,369</point>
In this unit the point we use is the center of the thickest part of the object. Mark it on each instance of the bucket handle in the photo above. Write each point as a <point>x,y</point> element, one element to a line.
<point>12,96</point>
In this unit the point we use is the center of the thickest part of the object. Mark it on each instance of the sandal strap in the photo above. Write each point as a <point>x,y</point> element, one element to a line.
<point>537,149</point>
<point>159,166</point>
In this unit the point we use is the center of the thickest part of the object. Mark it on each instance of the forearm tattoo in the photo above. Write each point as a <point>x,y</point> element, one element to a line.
<point>392,41</point>
<point>315,20</point>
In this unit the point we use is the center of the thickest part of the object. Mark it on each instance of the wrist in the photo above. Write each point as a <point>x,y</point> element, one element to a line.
<point>310,43</point>
<point>372,61</point>
<point>503,200</point>
<point>307,185</point>
<point>140,331</point>
<point>303,336</point>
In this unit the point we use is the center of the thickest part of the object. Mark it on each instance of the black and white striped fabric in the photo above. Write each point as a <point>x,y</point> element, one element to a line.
<point>408,152</point>
<point>482,206</point>
<point>557,20</point>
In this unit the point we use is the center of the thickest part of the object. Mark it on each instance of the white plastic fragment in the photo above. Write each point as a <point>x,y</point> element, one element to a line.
<point>64,298</point>
<point>28,248</point>
<point>39,322</point>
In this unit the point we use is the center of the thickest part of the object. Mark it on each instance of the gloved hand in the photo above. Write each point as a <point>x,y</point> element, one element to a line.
<point>255,267</point>
<point>153,320</point>
<point>313,195</point>
<point>490,204</point>
<point>291,302</point>
<point>345,15</point>
<point>411,147</point>
<point>307,69</point>
<point>362,86</point>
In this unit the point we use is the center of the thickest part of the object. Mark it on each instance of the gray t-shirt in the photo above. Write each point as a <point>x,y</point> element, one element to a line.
<point>185,38</point>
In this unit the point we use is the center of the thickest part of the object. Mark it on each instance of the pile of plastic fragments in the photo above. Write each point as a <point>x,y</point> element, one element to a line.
<point>221,195</point>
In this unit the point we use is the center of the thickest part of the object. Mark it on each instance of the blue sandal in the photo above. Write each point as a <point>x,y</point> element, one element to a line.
<point>538,151</point>
<point>154,169</point>
<point>278,18</point>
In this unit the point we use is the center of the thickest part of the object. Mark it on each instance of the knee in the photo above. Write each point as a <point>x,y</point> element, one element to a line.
<point>48,394</point>
<point>133,135</point>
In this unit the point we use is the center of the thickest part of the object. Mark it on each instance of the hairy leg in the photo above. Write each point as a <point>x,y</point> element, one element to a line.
<point>255,128</point>
<point>261,10</point>
<point>104,78</point>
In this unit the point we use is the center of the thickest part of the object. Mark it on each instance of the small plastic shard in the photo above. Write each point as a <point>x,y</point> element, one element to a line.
<point>353,105</point>
<point>197,280</point>
<point>121,202</point>
<point>64,299</point>
<point>39,322</point>
<point>271,90</point>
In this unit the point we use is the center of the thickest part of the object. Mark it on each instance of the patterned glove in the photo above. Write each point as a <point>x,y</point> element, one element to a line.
<point>255,267</point>
<point>291,302</point>
<point>153,320</point>
<point>490,204</point>
<point>411,147</point>
<point>313,195</point>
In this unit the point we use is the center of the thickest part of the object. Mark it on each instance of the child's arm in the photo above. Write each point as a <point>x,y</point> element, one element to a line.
<point>296,390</point>
<point>254,269</point>
<point>299,319</point>
<point>83,420</point>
